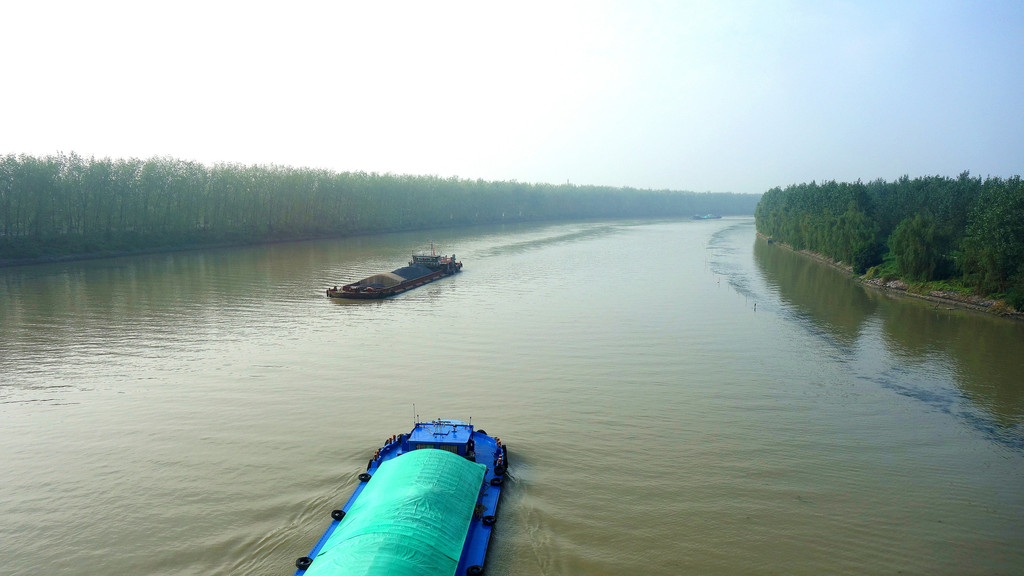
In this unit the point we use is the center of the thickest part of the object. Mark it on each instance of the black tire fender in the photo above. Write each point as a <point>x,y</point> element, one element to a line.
<point>364,477</point>
<point>337,514</point>
<point>303,563</point>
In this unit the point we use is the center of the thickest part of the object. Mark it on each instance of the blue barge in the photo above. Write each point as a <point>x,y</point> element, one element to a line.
<point>426,505</point>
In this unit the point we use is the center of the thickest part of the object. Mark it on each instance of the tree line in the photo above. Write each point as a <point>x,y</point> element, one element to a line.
<point>934,228</point>
<point>65,204</point>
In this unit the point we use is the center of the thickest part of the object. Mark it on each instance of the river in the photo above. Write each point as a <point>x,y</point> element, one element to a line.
<point>678,397</point>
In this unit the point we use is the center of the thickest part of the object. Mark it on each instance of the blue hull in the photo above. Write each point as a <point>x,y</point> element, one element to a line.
<point>455,437</point>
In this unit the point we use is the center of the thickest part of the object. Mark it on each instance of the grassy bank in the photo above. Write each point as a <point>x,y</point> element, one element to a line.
<point>944,293</point>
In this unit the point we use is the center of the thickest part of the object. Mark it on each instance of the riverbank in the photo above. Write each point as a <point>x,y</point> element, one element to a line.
<point>900,287</point>
<point>117,253</point>
<point>141,248</point>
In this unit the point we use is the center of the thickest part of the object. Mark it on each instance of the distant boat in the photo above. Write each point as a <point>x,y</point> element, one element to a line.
<point>421,270</point>
<point>706,217</point>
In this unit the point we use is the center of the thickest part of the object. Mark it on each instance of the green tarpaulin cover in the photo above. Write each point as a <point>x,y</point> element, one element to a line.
<point>410,519</point>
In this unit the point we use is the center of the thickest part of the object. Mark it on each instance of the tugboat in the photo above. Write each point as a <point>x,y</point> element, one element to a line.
<point>426,505</point>
<point>422,269</point>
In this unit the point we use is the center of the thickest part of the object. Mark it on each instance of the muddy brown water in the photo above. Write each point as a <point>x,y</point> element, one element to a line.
<point>202,412</point>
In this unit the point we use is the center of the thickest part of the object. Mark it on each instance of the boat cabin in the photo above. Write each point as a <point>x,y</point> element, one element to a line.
<point>450,435</point>
<point>431,261</point>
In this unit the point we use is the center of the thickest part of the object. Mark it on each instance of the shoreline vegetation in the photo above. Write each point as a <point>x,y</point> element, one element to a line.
<point>67,207</point>
<point>960,240</point>
<point>922,291</point>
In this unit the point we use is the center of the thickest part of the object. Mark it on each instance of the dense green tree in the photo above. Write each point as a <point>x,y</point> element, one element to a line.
<point>933,227</point>
<point>920,249</point>
<point>993,247</point>
<point>66,204</point>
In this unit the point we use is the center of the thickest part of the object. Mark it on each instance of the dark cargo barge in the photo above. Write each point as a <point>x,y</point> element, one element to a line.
<point>421,270</point>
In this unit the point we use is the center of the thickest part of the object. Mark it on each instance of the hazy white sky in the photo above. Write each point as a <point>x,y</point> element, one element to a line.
<point>720,96</point>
